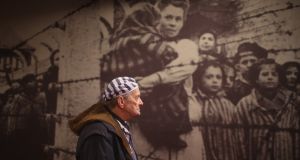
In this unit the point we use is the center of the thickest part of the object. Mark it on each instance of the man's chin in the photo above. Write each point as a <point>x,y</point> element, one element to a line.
<point>138,114</point>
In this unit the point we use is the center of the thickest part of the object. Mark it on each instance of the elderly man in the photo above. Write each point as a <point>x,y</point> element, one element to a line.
<point>103,130</point>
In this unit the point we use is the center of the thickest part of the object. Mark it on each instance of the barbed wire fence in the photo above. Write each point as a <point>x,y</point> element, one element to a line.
<point>289,6</point>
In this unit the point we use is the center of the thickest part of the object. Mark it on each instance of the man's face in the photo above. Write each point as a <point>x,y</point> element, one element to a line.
<point>292,76</point>
<point>171,21</point>
<point>268,77</point>
<point>212,80</point>
<point>246,62</point>
<point>207,42</point>
<point>133,102</point>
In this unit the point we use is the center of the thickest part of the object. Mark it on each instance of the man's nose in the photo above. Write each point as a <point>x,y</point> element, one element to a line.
<point>141,102</point>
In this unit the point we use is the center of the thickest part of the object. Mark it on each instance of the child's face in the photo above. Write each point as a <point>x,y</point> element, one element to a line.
<point>207,42</point>
<point>230,76</point>
<point>212,80</point>
<point>268,77</point>
<point>291,76</point>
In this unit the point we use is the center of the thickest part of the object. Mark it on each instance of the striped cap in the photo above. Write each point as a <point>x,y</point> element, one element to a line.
<point>119,86</point>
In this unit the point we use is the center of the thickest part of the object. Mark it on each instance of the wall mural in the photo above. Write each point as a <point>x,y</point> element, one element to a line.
<point>214,84</point>
<point>243,106</point>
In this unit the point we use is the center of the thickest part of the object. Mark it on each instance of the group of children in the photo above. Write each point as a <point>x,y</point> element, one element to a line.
<point>246,107</point>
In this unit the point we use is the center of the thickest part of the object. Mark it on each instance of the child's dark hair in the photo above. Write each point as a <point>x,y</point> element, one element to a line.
<point>197,78</point>
<point>207,30</point>
<point>287,65</point>
<point>256,68</point>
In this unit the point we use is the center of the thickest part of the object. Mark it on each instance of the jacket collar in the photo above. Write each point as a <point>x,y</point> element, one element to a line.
<point>116,117</point>
<point>98,112</point>
<point>281,99</point>
<point>203,95</point>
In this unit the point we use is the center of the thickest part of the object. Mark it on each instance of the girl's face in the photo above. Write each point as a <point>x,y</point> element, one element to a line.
<point>291,76</point>
<point>229,77</point>
<point>207,42</point>
<point>212,80</point>
<point>268,77</point>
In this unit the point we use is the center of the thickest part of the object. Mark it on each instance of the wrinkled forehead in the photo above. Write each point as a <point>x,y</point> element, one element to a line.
<point>135,92</point>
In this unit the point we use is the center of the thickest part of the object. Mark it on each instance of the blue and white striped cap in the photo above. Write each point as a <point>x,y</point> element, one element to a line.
<point>119,86</point>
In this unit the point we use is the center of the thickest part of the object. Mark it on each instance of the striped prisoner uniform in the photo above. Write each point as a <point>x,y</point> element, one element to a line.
<point>268,133</point>
<point>215,120</point>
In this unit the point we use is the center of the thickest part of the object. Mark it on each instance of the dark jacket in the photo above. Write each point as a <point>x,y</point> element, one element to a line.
<point>100,136</point>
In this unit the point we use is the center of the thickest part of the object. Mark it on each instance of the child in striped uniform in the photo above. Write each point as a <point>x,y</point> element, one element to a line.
<point>214,113</point>
<point>268,117</point>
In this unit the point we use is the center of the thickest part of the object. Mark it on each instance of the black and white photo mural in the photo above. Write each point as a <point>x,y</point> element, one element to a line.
<point>219,79</point>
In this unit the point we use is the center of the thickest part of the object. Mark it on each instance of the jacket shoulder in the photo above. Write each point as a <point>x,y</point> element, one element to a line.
<point>95,128</point>
<point>98,127</point>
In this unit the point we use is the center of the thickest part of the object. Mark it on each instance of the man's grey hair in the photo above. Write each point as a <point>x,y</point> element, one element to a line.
<point>114,101</point>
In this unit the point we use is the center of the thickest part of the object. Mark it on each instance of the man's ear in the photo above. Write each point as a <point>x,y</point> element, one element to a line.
<point>121,101</point>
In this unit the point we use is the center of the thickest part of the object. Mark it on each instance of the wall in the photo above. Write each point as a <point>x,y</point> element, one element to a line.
<point>271,23</point>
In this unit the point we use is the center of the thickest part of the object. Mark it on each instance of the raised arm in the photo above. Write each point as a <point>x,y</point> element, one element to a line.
<point>177,70</point>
